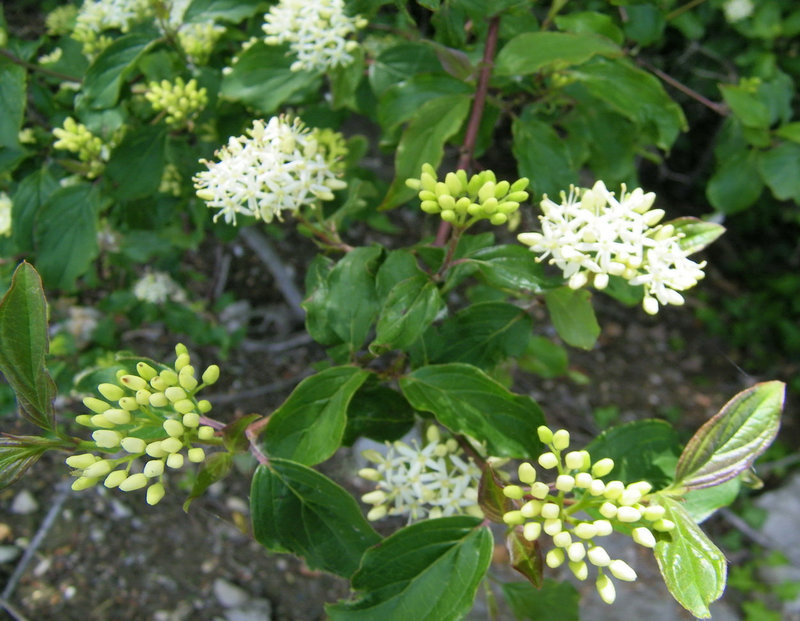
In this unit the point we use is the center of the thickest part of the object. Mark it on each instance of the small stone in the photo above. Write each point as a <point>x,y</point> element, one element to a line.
<point>9,553</point>
<point>255,610</point>
<point>229,595</point>
<point>24,503</point>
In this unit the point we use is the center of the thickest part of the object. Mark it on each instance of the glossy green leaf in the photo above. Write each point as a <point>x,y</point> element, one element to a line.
<point>778,168</point>
<point>554,601</point>
<point>491,499</point>
<point>645,23</point>
<point>645,450</point>
<point>23,334</point>
<point>510,267</point>
<point>66,235</point>
<point>17,454</point>
<point>745,105</point>
<point>692,566</point>
<point>232,11</point>
<point>530,52</point>
<point>583,22</point>
<point>399,63</point>
<point>541,155</point>
<point>423,142</point>
<point>544,358</point>
<point>696,234</point>
<point>400,102</point>
<point>309,426</point>
<point>137,164</point>
<point>316,301</point>
<point>702,503</point>
<point>234,435</point>
<point>466,400</point>
<point>573,317</point>
<point>296,509</point>
<point>525,556</point>
<point>345,80</point>
<point>111,68</point>
<point>735,184</point>
<point>262,78</point>
<point>379,413</point>
<point>790,131</point>
<point>214,469</point>
<point>733,438</point>
<point>13,84</point>
<point>32,192</point>
<point>428,571</point>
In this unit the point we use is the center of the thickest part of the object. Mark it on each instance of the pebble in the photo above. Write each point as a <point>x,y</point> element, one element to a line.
<point>229,595</point>
<point>24,503</point>
<point>254,610</point>
<point>8,553</point>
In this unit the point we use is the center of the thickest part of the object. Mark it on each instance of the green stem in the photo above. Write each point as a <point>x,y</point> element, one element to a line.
<point>38,68</point>
<point>682,9</point>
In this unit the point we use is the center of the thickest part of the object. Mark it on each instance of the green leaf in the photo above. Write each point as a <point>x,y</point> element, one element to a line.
<point>696,234</point>
<point>734,437</point>
<point>541,154</point>
<point>735,184</point>
<point>544,358</point>
<point>554,601</point>
<point>66,235</point>
<point>790,131</point>
<point>428,571</point>
<point>17,454</point>
<point>316,302</point>
<point>32,192</point>
<point>644,450</point>
<point>423,142</point>
<point>296,509</point>
<point>345,80</point>
<point>645,24</point>
<point>400,102</point>
<point>262,78</point>
<point>583,22</point>
<point>636,95</point>
<point>234,434</point>
<point>692,566</point>
<point>309,426</point>
<point>23,334</point>
<point>491,499</point>
<point>530,52</point>
<point>215,468</point>
<point>397,64</point>
<point>745,105</point>
<point>525,556</point>
<point>232,11</point>
<point>573,316</point>
<point>13,84</point>
<point>106,74</point>
<point>778,168</point>
<point>379,413</point>
<point>512,268</point>
<point>137,164</point>
<point>702,503</point>
<point>466,400</point>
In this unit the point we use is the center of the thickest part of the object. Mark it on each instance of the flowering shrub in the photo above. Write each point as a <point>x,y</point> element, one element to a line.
<point>171,124</point>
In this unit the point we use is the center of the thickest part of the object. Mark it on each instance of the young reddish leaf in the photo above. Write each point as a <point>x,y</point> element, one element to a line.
<point>526,557</point>
<point>491,499</point>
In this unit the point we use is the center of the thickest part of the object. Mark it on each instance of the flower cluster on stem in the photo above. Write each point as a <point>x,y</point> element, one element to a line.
<point>435,480</point>
<point>90,149</point>
<point>592,235</point>
<point>317,32</point>
<point>277,167</point>
<point>554,509</point>
<point>180,101</point>
<point>151,415</point>
<point>462,200</point>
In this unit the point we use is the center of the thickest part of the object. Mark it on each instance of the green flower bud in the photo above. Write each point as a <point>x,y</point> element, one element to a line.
<point>133,482</point>
<point>622,571</point>
<point>501,189</point>
<point>474,209</point>
<point>449,216</point>
<point>580,569</point>
<point>159,384</point>
<point>100,420</point>
<point>115,478</point>
<point>513,491</point>
<point>608,510</point>
<point>133,445</point>
<point>517,197</point>
<point>447,202</point>
<point>196,455</point>
<point>519,185</point>
<point>597,488</point>
<point>181,361</point>
<point>155,493</point>
<point>157,450</point>
<point>204,406</point>
<point>629,497</point>
<point>574,460</point>
<point>211,375</point>
<point>112,392</point>
<point>169,377</point>
<point>143,396</point>
<point>98,469</point>
<point>653,513</point>
<point>562,539</point>
<point>441,189</point>
<point>454,184</point>
<point>462,205</point>
<point>375,497</point>
<point>603,467</point>
<point>614,490</point>
<point>82,483</point>
<point>598,556</point>
<point>175,393</point>
<point>545,435</point>
<point>206,433</point>
<point>134,382</point>
<point>513,518</point>
<point>554,558</point>
<point>584,480</point>
<point>428,181</point>
<point>664,526</point>
<point>603,527</point>
<point>173,428</point>
<point>486,191</point>
<point>474,184</point>
<point>127,403</point>
<point>540,490</point>
<point>187,380</point>
<point>376,513</point>
<point>414,184</point>
<point>430,206</point>
<point>561,439</point>
<point>145,371</point>
<point>158,400</point>
<point>628,514</point>
<point>585,530</point>
<point>84,419</point>
<point>96,405</point>
<point>427,196</point>
<point>550,510</point>
<point>175,461</point>
<point>644,537</point>
<point>552,526</point>
<point>82,461</point>
<point>531,509</point>
<point>183,406</point>
<point>576,552</point>
<point>489,206</point>
<point>508,207</point>
<point>370,474</point>
<point>526,473</point>
<point>105,438</point>
<point>548,460</point>
<point>565,483</point>
<point>531,531</point>
<point>191,420</point>
<point>498,219</point>
<point>117,417</point>
<point>180,348</point>
<point>153,468</point>
<point>606,589</point>
<point>368,454</point>
<point>643,487</point>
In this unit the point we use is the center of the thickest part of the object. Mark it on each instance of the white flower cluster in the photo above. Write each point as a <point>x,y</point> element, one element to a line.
<point>196,38</point>
<point>278,166</point>
<point>737,10</point>
<point>429,482</point>
<point>5,214</point>
<point>546,508</point>
<point>96,16</point>
<point>157,288</point>
<point>316,32</point>
<point>592,235</point>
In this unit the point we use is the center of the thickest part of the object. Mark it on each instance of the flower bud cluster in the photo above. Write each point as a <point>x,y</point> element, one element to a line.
<point>90,149</point>
<point>593,235</point>
<point>61,20</point>
<point>553,509</point>
<point>151,415</point>
<point>428,482</point>
<point>463,200</point>
<point>6,206</point>
<point>180,101</point>
<point>158,287</point>
<point>278,166</point>
<point>317,32</point>
<point>96,16</point>
<point>198,39</point>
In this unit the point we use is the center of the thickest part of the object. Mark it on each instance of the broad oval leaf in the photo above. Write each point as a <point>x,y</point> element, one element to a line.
<point>466,400</point>
<point>379,413</point>
<point>309,426</point>
<point>137,164</point>
<point>542,155</point>
<point>296,509</point>
<point>573,317</point>
<point>730,442</point>
<point>491,499</point>
<point>512,268</point>
<point>554,601</point>
<point>525,556</point>
<point>23,334</point>
<point>428,571</point>
<point>232,11</point>
<point>409,308</point>
<point>13,84</point>
<point>693,568</point>
<point>32,192</point>
<point>778,167</point>
<point>530,52</point>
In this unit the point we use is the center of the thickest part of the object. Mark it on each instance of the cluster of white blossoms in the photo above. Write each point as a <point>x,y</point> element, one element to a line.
<point>158,287</point>
<point>317,32</point>
<point>428,482</point>
<point>592,235</point>
<point>6,207</point>
<point>578,487</point>
<point>151,415</point>
<point>737,10</point>
<point>96,16</point>
<point>279,166</point>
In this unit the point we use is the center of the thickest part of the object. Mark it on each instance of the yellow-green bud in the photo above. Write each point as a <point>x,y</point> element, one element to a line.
<point>173,428</point>
<point>513,491</point>
<point>501,189</point>
<point>157,450</point>
<point>96,405</point>
<point>425,195</point>
<point>561,439</point>
<point>153,468</point>
<point>158,400</point>
<point>498,218</point>
<point>614,490</point>
<point>598,556</point>
<point>449,216</point>
<point>375,497</point>
<point>211,374</point>
<point>574,460</point>
<point>159,384</point>
<point>585,530</point>
<point>134,382</point>
<point>583,480</point>
<point>206,433</point>
<point>603,467</point>
<point>145,371</point>
<point>603,527</point>
<point>84,419</point>
<point>196,455</point>
<point>370,474</point>
<point>576,552</point>
<point>622,571</point>
<point>414,184</point>
<point>474,209</point>
<point>376,513</point>
<point>489,206</point>
<point>531,509</point>
<point>664,525</point>
<point>100,420</point>
<point>82,461</point>
<point>180,348</point>
<point>169,376</point>
<point>552,526</point>
<point>181,361</point>
<point>513,518</point>
<point>187,380</point>
<point>175,393</point>
<point>540,490</point>
<point>644,537</point>
<point>545,435</point>
<point>133,482</point>
<point>653,513</point>
<point>105,438</point>
<point>133,445</point>
<point>519,185</point>
<point>183,406</point>
<point>454,184</point>
<point>117,417</point>
<point>565,483</point>
<point>98,469</point>
<point>606,589</point>
<point>597,488</point>
<point>526,473</point>
<point>486,191</point>
<point>155,493</point>
<point>580,569</point>
<point>430,206</point>
<point>643,487</point>
<point>517,197</point>
<point>562,539</point>
<point>531,531</point>
<point>608,510</point>
<point>548,460</point>
<point>191,420</point>
<point>112,392</point>
<point>204,406</point>
<point>446,202</point>
<point>143,396</point>
<point>127,403</point>
<point>628,514</point>
<point>550,510</point>
<point>554,558</point>
<point>82,483</point>
<point>115,478</point>
<point>368,454</point>
<point>175,461</point>
<point>629,497</point>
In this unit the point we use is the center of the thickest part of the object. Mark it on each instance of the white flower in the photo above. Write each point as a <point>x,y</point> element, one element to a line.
<point>277,167</point>
<point>316,31</point>
<point>592,235</point>
<point>98,15</point>
<point>157,288</point>
<point>737,10</point>
<point>5,215</point>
